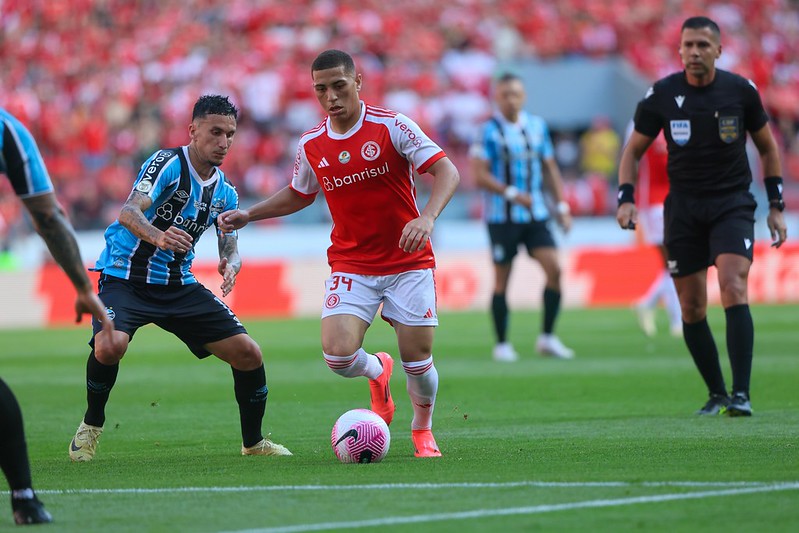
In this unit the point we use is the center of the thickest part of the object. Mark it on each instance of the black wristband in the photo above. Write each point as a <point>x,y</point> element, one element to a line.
<point>773,188</point>
<point>626,193</point>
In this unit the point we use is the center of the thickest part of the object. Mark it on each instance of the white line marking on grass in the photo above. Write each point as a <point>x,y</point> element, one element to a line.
<point>537,509</point>
<point>409,486</point>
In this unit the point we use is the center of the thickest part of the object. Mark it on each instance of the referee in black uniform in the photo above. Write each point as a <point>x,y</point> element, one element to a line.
<point>705,113</point>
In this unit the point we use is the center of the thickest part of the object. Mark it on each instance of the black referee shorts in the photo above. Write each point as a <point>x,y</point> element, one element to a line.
<point>697,229</point>
<point>508,236</point>
<point>192,312</point>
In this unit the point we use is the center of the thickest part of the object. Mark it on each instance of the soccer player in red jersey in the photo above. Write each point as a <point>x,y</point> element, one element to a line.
<point>653,186</point>
<point>363,158</point>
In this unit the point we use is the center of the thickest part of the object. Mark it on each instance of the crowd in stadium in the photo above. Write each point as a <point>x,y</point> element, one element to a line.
<point>103,83</point>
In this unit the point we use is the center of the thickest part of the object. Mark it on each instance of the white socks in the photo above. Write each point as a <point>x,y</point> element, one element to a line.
<point>422,380</point>
<point>422,385</point>
<point>360,363</point>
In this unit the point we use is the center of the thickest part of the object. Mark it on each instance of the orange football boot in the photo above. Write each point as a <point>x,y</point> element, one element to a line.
<point>382,402</point>
<point>424,443</point>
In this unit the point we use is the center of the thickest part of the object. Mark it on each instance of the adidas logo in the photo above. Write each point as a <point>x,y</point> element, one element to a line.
<point>747,243</point>
<point>429,313</point>
<point>323,163</point>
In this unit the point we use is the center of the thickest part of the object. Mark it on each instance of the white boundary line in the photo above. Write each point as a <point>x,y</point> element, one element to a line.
<point>417,486</point>
<point>538,509</point>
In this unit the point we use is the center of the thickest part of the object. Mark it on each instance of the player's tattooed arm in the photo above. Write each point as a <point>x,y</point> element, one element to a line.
<point>132,217</point>
<point>51,223</point>
<point>229,261</point>
<point>53,226</point>
<point>229,249</point>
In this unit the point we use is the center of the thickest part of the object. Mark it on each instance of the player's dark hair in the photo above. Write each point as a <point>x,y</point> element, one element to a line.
<point>214,104</point>
<point>697,23</point>
<point>507,76</point>
<point>333,59</point>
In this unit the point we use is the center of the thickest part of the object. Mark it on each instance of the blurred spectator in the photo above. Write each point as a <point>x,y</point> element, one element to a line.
<point>599,149</point>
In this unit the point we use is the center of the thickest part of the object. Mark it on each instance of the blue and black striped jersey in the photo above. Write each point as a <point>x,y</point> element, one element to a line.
<point>20,159</point>
<point>180,198</point>
<point>514,152</point>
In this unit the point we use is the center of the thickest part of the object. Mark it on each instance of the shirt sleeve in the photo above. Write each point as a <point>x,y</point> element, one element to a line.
<point>409,140</point>
<point>231,202</point>
<point>304,179</point>
<point>547,150</point>
<point>158,174</point>
<point>755,116</point>
<point>647,119</point>
<point>479,148</point>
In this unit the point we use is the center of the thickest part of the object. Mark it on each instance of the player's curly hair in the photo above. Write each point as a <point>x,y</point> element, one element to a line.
<point>214,104</point>
<point>332,59</point>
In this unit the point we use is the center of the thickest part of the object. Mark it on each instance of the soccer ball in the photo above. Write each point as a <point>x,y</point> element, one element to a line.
<point>360,436</point>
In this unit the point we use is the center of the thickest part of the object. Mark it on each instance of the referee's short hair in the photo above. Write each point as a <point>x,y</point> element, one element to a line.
<point>214,104</point>
<point>697,23</point>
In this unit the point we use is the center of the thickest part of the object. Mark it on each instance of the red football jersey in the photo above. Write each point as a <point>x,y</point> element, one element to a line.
<point>653,181</point>
<point>367,178</point>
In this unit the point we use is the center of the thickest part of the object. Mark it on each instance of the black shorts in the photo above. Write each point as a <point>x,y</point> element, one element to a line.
<point>508,236</point>
<point>697,229</point>
<point>192,312</point>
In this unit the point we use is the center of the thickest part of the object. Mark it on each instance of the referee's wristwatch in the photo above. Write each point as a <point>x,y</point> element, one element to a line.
<point>779,205</point>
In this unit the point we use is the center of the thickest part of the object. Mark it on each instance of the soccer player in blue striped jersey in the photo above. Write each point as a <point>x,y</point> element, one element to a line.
<point>513,161</point>
<point>22,163</point>
<point>146,275</point>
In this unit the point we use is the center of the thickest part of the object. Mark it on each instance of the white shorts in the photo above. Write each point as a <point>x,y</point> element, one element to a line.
<point>651,221</point>
<point>408,298</point>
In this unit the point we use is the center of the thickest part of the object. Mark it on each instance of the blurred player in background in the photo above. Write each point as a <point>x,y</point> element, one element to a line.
<point>22,163</point>
<point>705,114</point>
<point>513,160</point>
<point>146,276</point>
<point>363,158</point>
<point>652,188</point>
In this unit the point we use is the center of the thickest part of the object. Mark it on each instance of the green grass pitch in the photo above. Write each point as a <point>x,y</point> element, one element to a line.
<point>606,442</point>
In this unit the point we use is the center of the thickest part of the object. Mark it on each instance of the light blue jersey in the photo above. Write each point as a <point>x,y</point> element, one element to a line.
<point>514,152</point>
<point>20,159</point>
<point>180,198</point>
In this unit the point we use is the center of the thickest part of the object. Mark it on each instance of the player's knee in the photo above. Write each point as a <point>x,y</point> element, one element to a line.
<point>733,288</point>
<point>249,356</point>
<point>693,310</point>
<point>340,345</point>
<point>109,353</point>
<point>553,277</point>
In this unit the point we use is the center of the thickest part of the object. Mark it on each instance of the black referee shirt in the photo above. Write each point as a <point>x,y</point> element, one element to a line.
<point>705,129</point>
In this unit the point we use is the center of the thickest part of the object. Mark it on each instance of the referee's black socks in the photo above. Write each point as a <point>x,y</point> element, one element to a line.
<point>250,389</point>
<point>703,349</point>
<point>740,343</point>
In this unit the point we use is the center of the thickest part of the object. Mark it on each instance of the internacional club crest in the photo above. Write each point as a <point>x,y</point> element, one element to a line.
<point>370,150</point>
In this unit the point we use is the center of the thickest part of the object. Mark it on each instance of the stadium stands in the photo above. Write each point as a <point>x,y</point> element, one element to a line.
<point>103,83</point>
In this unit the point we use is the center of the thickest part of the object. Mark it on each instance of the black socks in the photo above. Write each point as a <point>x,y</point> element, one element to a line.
<point>703,349</point>
<point>100,380</point>
<point>740,344</point>
<point>13,449</point>
<point>499,312</point>
<point>551,309</point>
<point>250,389</point>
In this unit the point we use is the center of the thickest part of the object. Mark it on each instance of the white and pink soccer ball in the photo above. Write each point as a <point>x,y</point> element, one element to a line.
<point>360,436</point>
